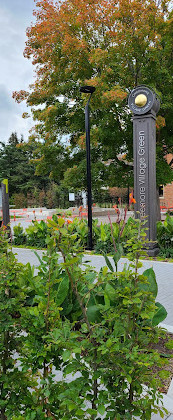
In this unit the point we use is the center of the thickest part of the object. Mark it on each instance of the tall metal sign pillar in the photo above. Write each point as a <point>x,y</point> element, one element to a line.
<point>5,203</point>
<point>145,104</point>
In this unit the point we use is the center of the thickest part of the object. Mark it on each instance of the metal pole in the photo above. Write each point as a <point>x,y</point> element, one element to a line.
<point>5,203</point>
<point>88,89</point>
<point>87,128</point>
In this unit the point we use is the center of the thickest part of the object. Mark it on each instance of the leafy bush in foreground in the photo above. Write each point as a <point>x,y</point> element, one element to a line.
<point>14,383</point>
<point>67,319</point>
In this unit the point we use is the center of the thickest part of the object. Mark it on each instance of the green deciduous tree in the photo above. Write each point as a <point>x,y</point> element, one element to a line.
<point>114,46</point>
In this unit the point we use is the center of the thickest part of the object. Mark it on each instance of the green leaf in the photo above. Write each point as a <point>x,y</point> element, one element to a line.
<point>66,355</point>
<point>77,350</point>
<point>127,301</point>
<point>101,409</point>
<point>151,278</point>
<point>107,301</point>
<point>72,406</point>
<point>79,412</point>
<point>108,263</point>
<point>90,277</point>
<point>117,255</point>
<point>84,328</point>
<point>34,311</point>
<point>61,221</point>
<point>93,314</point>
<point>38,256</point>
<point>62,291</point>
<point>47,393</point>
<point>104,271</point>
<point>91,411</point>
<point>109,343</point>
<point>111,293</point>
<point>33,415</point>
<point>103,234</point>
<point>136,300</point>
<point>56,334</point>
<point>160,315</point>
<point>129,378</point>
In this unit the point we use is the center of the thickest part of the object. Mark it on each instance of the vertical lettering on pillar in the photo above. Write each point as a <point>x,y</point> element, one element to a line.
<point>142,174</point>
<point>144,104</point>
<point>142,170</point>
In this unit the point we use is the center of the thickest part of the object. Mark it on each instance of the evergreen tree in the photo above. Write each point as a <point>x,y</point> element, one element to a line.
<point>16,165</point>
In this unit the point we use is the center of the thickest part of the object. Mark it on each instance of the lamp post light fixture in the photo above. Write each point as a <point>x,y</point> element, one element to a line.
<point>88,89</point>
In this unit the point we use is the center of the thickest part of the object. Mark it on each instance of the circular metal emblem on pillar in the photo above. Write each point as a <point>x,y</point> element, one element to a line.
<point>143,100</point>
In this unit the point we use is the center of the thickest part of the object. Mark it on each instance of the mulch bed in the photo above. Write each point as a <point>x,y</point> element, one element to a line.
<point>163,348</point>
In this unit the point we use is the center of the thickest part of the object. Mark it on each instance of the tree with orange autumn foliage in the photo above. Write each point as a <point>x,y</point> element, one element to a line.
<point>114,46</point>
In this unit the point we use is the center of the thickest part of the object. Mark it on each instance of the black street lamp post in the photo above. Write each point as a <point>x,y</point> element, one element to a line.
<point>88,89</point>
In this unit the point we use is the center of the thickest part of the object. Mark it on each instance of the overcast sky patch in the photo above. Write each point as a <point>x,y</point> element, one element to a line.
<point>16,72</point>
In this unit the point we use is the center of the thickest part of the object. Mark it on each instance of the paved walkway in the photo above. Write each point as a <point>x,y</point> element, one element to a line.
<point>164,277</point>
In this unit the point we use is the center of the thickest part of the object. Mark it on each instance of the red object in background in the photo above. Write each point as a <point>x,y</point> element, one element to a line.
<point>131,199</point>
<point>116,209</point>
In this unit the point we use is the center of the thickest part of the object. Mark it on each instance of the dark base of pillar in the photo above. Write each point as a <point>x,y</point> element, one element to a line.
<point>152,249</point>
<point>153,252</point>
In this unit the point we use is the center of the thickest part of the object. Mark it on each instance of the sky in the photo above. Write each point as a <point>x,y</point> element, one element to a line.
<point>16,72</point>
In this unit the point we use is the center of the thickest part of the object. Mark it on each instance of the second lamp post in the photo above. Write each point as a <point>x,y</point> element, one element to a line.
<point>88,89</point>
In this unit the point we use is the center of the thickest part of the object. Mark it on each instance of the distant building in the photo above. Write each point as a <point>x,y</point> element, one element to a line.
<point>166,191</point>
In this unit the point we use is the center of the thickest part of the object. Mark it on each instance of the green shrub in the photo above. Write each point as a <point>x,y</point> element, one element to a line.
<point>165,237</point>
<point>37,234</point>
<point>19,235</point>
<point>19,200</point>
<point>114,318</point>
<point>97,327</point>
<point>105,236</point>
<point>80,227</point>
<point>14,383</point>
